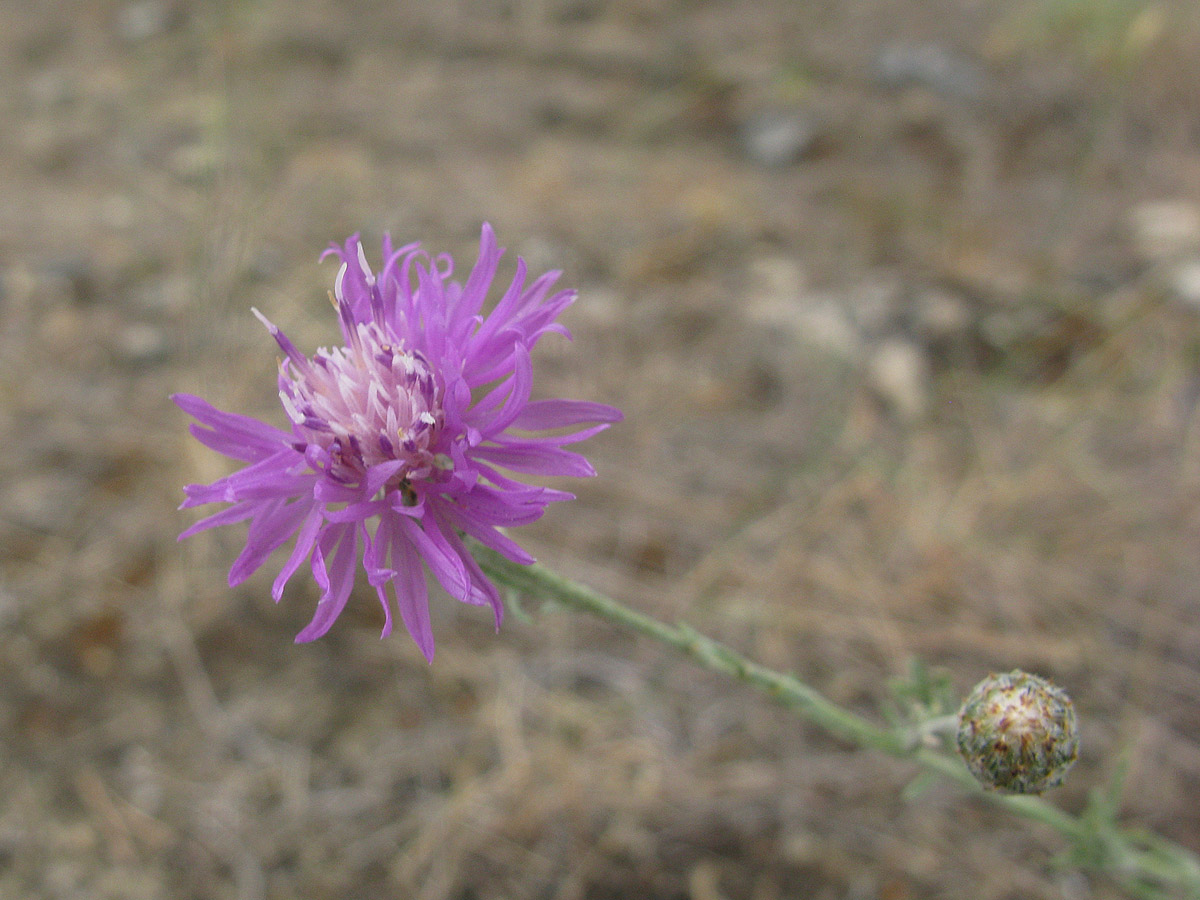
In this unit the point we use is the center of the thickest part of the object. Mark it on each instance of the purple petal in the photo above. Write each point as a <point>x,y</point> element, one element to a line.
<point>378,474</point>
<point>232,426</point>
<point>259,486</point>
<point>475,290</point>
<point>490,402</point>
<point>270,528</point>
<point>518,397</point>
<point>343,540</point>
<point>556,440</point>
<point>536,459</point>
<point>378,573</point>
<point>504,403</point>
<point>485,534</point>
<point>412,594</point>
<point>376,553</point>
<point>331,492</point>
<point>381,593</point>
<point>225,517</point>
<point>483,592</point>
<point>431,308</point>
<point>236,446</point>
<point>304,543</point>
<point>508,485</point>
<point>445,565</point>
<point>357,512</point>
<point>497,507</point>
<point>498,318</point>
<point>543,414</point>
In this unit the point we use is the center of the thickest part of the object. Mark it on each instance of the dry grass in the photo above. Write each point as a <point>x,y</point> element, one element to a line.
<point>162,735</point>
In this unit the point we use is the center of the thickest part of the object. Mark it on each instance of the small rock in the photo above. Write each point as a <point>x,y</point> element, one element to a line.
<point>826,326</point>
<point>569,12</point>
<point>899,375</point>
<point>875,305</point>
<point>776,138</point>
<point>141,344</point>
<point>145,19</point>
<point>1012,326</point>
<point>194,162</point>
<point>168,293</point>
<point>49,90</point>
<point>61,328</point>
<point>72,280</point>
<point>822,324</point>
<point>1185,283</point>
<point>931,66</point>
<point>46,502</point>
<point>1166,229</point>
<point>141,775</point>
<point>945,328</point>
<point>939,316</point>
<point>10,607</point>
<point>775,278</point>
<point>599,307</point>
<point>48,145</point>
<point>780,302</point>
<point>829,327</point>
<point>118,211</point>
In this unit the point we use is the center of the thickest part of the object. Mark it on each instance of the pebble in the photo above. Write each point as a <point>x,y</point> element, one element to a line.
<point>780,302</point>
<point>141,344</point>
<point>1185,283</point>
<point>776,277</point>
<point>931,66</point>
<point>141,776</point>
<point>776,138</point>
<point>939,316</point>
<point>875,305</point>
<point>118,211</point>
<point>72,280</point>
<point>168,293</point>
<point>10,607</point>
<point>899,375</point>
<point>1166,229</point>
<point>194,162</point>
<point>827,326</point>
<point>46,502</point>
<point>145,19</point>
<point>49,90</point>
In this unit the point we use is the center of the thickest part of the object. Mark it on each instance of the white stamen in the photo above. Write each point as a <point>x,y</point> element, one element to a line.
<point>362,264</point>
<point>290,408</point>
<point>337,282</point>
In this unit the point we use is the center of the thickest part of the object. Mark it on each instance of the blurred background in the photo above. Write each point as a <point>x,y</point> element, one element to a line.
<point>902,303</point>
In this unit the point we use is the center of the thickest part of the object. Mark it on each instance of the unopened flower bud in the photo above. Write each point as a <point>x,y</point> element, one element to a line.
<point>1017,733</point>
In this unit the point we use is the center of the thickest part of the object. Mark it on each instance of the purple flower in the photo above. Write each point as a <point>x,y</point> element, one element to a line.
<point>401,439</point>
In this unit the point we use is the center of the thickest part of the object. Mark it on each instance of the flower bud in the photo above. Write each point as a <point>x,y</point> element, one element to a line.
<point>1017,733</point>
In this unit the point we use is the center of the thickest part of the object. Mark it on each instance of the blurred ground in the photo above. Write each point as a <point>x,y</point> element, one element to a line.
<point>902,302</point>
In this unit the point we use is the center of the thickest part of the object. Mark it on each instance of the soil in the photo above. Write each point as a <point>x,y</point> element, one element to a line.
<point>901,302</point>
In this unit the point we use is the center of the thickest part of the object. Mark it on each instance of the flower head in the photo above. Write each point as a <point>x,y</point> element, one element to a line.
<point>1017,733</point>
<point>404,439</point>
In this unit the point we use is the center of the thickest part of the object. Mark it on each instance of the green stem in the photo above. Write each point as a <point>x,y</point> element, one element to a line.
<point>1140,861</point>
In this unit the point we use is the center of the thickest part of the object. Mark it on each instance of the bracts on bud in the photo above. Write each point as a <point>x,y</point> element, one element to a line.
<point>1017,733</point>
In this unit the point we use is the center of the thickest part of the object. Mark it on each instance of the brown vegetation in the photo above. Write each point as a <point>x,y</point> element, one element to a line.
<point>900,300</point>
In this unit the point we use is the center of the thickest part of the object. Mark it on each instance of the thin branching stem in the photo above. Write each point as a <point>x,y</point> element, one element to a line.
<point>1146,864</point>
